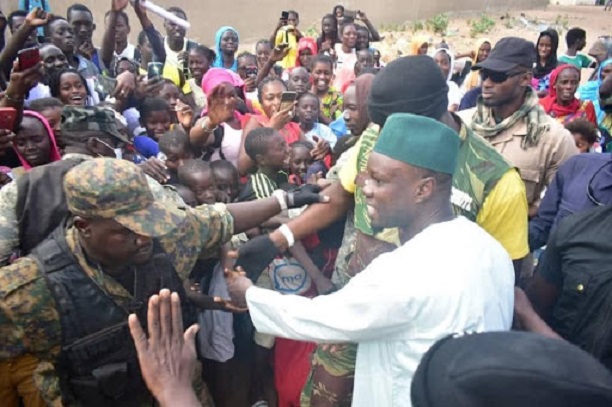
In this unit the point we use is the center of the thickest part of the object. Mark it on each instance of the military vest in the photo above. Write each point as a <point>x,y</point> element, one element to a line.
<point>98,366</point>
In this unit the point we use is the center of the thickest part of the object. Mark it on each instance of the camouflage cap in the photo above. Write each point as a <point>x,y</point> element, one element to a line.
<point>82,118</point>
<point>114,189</point>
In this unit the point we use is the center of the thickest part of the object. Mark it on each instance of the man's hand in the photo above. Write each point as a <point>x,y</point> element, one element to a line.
<point>228,306</point>
<point>126,83</point>
<point>279,52</point>
<point>37,18</point>
<point>6,140</point>
<point>156,169</point>
<point>321,149</point>
<point>184,114</point>
<point>255,255</point>
<point>87,50</point>
<point>305,195</point>
<point>168,357</point>
<point>237,285</point>
<point>118,5</point>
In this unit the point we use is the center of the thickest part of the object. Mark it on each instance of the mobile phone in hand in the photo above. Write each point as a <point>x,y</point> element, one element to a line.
<point>28,58</point>
<point>8,118</point>
<point>154,70</point>
<point>288,100</point>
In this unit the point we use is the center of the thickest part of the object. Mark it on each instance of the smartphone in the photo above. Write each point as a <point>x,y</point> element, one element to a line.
<point>28,58</point>
<point>284,16</point>
<point>288,100</point>
<point>350,14</point>
<point>154,69</point>
<point>8,118</point>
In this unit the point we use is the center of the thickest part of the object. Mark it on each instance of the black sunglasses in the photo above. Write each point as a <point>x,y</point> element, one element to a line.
<point>497,77</point>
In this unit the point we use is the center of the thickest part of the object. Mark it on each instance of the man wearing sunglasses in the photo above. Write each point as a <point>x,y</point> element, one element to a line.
<point>509,116</point>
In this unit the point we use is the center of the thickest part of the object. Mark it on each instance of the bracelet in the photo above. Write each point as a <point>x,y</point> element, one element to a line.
<point>281,197</point>
<point>287,234</point>
<point>12,100</point>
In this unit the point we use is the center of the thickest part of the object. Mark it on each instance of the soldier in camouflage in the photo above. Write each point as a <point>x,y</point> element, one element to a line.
<point>71,296</point>
<point>485,190</point>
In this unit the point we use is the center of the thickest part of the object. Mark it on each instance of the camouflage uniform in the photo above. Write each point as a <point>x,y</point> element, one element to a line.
<point>74,120</point>
<point>111,189</point>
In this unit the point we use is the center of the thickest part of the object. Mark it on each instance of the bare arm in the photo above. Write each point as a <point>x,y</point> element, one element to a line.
<point>374,35</point>
<point>14,45</point>
<point>248,215</point>
<point>317,216</point>
<point>245,164</point>
<point>108,40</point>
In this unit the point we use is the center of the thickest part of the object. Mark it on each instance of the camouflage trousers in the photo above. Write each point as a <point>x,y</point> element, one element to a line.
<point>331,378</point>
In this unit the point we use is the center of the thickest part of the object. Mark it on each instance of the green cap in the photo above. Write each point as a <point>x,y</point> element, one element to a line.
<point>419,141</point>
<point>115,189</point>
<point>77,118</point>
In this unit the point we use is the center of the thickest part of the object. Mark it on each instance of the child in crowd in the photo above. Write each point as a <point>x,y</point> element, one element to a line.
<point>585,134</point>
<point>308,113</point>
<point>227,180</point>
<point>299,80</point>
<point>293,274</point>
<point>330,98</point>
<point>197,175</point>
<point>156,119</point>
<point>50,109</point>
<point>299,161</point>
<point>576,41</point>
<point>174,149</point>
<point>186,195</point>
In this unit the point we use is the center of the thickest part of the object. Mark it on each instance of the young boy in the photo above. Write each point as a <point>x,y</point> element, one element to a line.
<point>299,161</point>
<point>227,179</point>
<point>585,134</point>
<point>308,114</point>
<point>197,176</point>
<point>576,41</point>
<point>174,149</point>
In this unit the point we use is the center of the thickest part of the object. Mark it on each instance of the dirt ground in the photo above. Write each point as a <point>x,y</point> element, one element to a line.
<point>526,24</point>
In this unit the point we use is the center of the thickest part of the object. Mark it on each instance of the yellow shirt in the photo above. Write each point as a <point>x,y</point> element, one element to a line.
<point>503,213</point>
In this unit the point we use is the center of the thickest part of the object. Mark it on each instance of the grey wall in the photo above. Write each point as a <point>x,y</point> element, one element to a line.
<point>256,18</point>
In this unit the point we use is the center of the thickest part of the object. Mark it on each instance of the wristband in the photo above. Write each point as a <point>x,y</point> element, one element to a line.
<point>288,234</point>
<point>281,197</point>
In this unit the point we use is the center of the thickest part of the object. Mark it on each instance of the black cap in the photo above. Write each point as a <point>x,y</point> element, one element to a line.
<point>509,369</point>
<point>509,53</point>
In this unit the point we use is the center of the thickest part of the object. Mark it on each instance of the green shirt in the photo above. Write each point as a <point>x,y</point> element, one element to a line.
<point>579,60</point>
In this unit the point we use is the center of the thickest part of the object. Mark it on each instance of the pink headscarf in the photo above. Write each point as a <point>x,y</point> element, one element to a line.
<point>306,43</point>
<point>54,154</point>
<point>215,77</point>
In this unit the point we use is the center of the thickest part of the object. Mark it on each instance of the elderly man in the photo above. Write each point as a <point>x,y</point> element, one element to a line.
<point>407,299</point>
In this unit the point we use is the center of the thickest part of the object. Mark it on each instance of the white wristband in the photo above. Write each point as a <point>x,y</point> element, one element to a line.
<point>288,234</point>
<point>281,197</point>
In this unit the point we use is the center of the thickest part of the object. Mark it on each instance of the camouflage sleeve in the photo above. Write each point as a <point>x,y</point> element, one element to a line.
<point>28,306</point>
<point>215,225</point>
<point>165,194</point>
<point>9,232</point>
<point>47,382</point>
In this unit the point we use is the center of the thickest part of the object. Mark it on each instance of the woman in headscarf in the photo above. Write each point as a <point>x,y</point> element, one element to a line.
<point>307,50</point>
<point>34,143</point>
<point>590,90</point>
<point>419,44</point>
<point>546,49</point>
<point>226,41</point>
<point>218,133</point>
<point>561,102</point>
<point>480,53</point>
<point>445,60</point>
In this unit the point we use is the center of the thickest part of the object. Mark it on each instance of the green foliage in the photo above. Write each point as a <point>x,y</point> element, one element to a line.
<point>438,24</point>
<point>482,25</point>
<point>416,26</point>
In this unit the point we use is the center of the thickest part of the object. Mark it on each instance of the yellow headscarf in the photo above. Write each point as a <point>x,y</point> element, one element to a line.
<point>473,79</point>
<point>416,42</point>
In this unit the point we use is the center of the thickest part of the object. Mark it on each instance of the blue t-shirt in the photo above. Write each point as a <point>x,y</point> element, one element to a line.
<point>146,146</point>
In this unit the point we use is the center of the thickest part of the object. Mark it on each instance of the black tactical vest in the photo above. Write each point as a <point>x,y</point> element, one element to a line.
<point>98,366</point>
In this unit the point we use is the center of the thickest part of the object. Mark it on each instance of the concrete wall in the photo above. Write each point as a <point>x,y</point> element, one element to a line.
<point>255,19</point>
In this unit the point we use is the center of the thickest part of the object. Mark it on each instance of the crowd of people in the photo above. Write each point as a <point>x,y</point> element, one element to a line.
<point>344,228</point>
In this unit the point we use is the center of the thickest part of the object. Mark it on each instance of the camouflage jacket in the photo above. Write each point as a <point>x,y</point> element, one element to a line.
<point>29,321</point>
<point>9,229</point>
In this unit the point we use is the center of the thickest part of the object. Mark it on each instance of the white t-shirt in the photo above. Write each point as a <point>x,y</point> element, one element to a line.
<point>128,52</point>
<point>454,94</point>
<point>324,132</point>
<point>452,277</point>
<point>345,66</point>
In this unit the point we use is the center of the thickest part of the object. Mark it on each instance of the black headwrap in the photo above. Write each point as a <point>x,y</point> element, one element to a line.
<point>551,63</point>
<point>411,84</point>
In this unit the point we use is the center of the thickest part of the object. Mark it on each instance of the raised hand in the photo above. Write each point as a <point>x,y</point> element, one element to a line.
<point>38,17</point>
